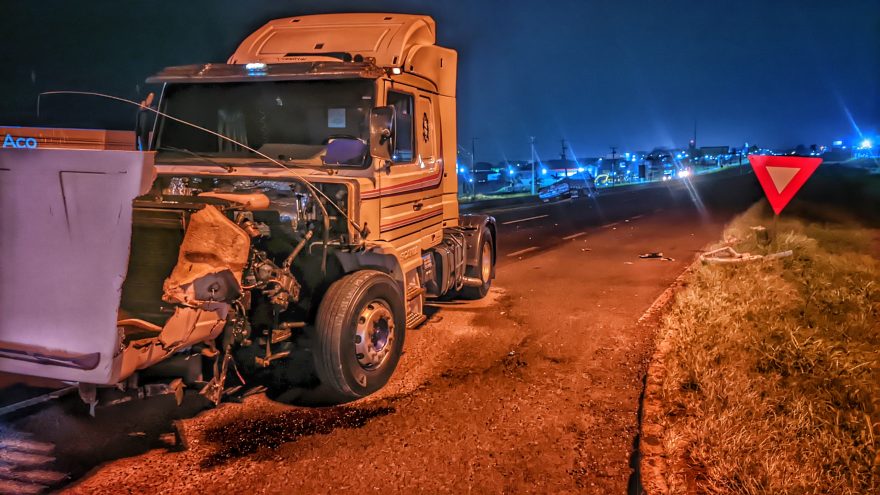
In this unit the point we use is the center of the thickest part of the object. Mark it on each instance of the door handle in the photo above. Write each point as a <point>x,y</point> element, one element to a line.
<point>418,205</point>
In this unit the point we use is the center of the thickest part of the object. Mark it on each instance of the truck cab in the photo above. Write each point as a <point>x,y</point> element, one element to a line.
<point>299,209</point>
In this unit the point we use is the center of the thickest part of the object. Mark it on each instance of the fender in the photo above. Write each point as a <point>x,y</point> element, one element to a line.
<point>472,225</point>
<point>367,260</point>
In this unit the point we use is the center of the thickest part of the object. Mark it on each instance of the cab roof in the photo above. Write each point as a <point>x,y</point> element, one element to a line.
<point>385,38</point>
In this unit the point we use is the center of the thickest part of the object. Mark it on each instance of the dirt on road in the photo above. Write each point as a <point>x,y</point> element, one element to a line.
<point>533,389</point>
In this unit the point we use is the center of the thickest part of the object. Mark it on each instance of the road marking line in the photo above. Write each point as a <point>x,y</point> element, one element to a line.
<point>572,236</point>
<point>524,219</point>
<point>524,251</point>
<point>636,217</point>
<point>23,445</point>
<point>609,225</point>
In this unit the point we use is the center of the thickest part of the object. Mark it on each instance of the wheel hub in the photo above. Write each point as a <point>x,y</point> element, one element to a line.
<point>486,262</point>
<point>374,335</point>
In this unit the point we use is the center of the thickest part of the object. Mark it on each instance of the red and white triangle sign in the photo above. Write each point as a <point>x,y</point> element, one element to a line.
<point>781,177</point>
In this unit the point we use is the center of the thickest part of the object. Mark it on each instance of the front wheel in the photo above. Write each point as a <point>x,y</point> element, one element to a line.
<point>359,330</point>
<point>484,268</point>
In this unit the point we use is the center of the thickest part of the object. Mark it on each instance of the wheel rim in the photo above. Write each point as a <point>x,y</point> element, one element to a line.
<point>486,262</point>
<point>374,335</point>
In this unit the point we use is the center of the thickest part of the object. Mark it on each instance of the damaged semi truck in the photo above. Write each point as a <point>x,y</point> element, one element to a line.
<point>294,210</point>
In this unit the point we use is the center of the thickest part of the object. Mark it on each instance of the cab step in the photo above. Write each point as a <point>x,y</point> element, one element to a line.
<point>414,293</point>
<point>414,319</point>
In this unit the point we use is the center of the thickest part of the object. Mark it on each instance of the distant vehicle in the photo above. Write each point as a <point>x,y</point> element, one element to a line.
<point>514,186</point>
<point>581,184</point>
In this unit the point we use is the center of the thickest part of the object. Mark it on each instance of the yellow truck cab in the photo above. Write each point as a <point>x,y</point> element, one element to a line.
<point>293,211</point>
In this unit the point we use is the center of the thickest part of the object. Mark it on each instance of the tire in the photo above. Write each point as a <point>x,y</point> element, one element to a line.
<point>359,334</point>
<point>481,270</point>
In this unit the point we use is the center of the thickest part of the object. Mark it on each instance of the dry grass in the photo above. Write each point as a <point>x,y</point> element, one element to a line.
<point>773,368</point>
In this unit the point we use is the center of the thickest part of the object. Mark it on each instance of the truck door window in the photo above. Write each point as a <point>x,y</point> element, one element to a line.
<point>403,123</point>
<point>425,129</point>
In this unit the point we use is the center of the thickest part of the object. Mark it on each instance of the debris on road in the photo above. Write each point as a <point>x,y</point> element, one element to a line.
<point>729,255</point>
<point>655,255</point>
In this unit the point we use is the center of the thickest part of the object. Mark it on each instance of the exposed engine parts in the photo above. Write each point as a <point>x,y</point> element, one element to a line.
<point>234,254</point>
<point>277,284</point>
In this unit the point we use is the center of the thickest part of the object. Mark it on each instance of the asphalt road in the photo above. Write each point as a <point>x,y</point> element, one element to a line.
<point>530,228</point>
<point>534,389</point>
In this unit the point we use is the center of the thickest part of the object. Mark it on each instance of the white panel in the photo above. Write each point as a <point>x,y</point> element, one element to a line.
<point>65,229</point>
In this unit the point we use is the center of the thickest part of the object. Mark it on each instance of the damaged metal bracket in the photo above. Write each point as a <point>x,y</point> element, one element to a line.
<point>213,390</point>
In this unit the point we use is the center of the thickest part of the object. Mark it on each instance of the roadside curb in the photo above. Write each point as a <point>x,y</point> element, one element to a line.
<point>652,456</point>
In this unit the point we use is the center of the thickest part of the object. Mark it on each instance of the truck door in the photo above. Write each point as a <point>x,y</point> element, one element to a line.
<point>410,197</point>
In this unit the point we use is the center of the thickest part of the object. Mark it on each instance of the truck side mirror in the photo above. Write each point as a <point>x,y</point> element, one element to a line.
<point>382,132</point>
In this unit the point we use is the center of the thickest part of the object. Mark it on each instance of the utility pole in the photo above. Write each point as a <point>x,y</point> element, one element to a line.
<point>534,164</point>
<point>474,167</point>
<point>564,161</point>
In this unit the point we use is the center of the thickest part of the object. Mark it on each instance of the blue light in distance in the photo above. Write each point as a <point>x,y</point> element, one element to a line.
<point>866,144</point>
<point>543,171</point>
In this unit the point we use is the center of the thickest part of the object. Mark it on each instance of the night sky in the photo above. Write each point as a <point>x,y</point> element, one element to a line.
<point>633,74</point>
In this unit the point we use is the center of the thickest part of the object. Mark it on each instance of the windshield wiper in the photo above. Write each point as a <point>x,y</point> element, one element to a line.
<point>226,167</point>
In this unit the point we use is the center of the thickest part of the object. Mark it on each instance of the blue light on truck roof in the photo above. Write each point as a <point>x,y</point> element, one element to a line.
<point>255,66</point>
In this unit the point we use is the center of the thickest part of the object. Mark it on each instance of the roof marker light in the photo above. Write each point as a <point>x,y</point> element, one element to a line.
<point>255,66</point>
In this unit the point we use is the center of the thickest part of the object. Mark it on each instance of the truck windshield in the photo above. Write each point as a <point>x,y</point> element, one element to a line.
<point>288,120</point>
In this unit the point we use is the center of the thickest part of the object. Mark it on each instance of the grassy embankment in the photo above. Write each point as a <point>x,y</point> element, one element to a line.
<point>772,378</point>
